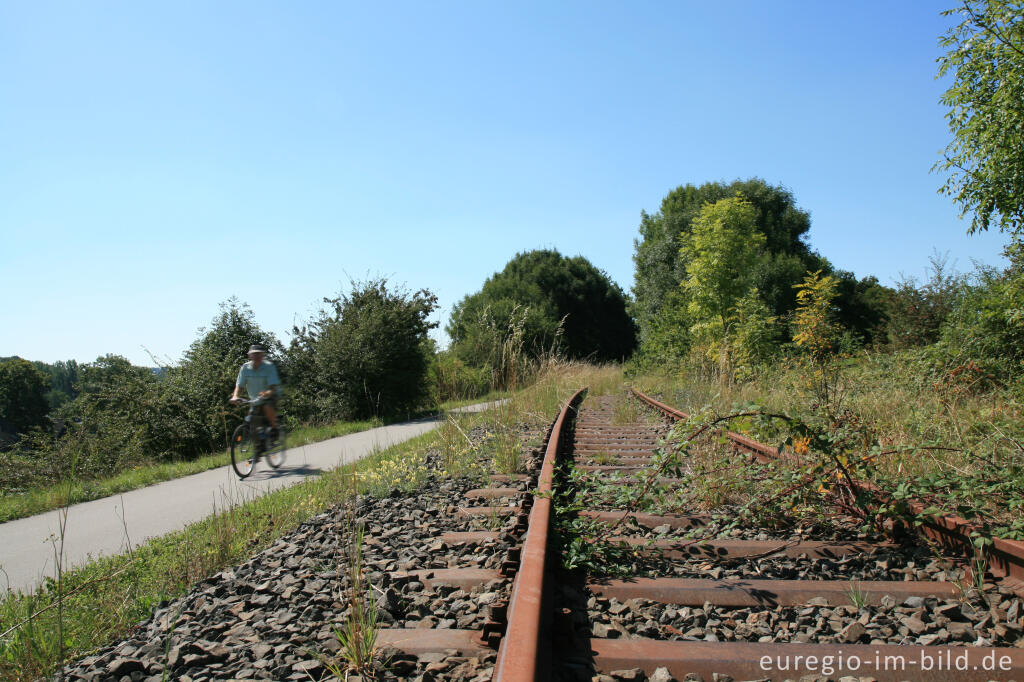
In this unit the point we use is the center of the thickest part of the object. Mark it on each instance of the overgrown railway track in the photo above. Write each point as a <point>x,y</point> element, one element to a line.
<point>861,607</point>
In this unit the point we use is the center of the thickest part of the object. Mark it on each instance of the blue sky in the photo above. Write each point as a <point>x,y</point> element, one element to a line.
<point>159,158</point>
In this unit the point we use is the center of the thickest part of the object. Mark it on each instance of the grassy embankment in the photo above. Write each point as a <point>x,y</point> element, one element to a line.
<point>100,602</point>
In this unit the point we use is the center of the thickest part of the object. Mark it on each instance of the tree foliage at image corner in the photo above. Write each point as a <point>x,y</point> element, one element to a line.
<point>985,159</point>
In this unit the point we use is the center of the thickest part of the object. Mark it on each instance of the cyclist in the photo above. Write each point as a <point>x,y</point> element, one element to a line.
<point>259,379</point>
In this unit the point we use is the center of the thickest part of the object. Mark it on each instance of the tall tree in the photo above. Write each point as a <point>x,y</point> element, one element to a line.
<point>661,265</point>
<point>555,295</point>
<point>985,160</point>
<point>720,250</point>
<point>22,395</point>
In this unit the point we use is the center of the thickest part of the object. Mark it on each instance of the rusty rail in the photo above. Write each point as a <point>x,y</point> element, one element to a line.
<point>522,657</point>
<point>1005,557</point>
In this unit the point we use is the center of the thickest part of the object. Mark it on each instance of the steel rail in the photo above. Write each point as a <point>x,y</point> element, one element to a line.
<point>1005,557</point>
<point>521,656</point>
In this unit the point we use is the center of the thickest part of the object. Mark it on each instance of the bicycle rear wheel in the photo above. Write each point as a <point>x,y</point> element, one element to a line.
<point>275,453</point>
<point>243,451</point>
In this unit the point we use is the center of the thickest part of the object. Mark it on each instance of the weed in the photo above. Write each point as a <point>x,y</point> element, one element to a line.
<point>858,597</point>
<point>496,518</point>
<point>605,458</point>
<point>458,453</point>
<point>507,448</point>
<point>627,411</point>
<point>357,636</point>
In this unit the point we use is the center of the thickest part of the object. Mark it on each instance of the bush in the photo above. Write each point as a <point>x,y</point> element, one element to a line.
<point>116,421</point>
<point>125,416</point>
<point>984,332</point>
<point>453,379</point>
<point>918,311</point>
<point>368,355</point>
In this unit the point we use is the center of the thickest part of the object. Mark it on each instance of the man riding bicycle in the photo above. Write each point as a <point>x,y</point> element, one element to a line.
<point>260,380</point>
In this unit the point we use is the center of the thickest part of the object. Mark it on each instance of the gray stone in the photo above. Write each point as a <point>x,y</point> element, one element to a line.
<point>311,666</point>
<point>852,632</point>
<point>915,625</point>
<point>120,667</point>
<point>961,632</point>
<point>661,675</point>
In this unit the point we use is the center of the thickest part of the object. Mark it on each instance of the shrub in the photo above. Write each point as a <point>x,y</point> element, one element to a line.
<point>453,379</point>
<point>985,328</point>
<point>367,355</point>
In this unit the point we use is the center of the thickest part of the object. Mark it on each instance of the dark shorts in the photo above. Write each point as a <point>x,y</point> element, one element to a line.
<point>272,401</point>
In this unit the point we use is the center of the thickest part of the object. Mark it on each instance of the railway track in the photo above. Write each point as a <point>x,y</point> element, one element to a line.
<point>759,603</point>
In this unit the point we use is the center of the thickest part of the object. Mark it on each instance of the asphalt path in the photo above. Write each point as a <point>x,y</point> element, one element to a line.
<point>107,526</point>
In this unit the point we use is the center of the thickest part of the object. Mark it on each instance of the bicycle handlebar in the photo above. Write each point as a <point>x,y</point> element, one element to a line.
<point>251,401</point>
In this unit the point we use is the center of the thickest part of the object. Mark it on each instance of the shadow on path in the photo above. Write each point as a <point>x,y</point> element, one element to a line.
<point>285,470</point>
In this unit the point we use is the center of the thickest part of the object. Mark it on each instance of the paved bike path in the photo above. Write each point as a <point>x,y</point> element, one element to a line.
<point>104,526</point>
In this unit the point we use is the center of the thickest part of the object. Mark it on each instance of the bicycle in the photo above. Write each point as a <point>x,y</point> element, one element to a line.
<point>252,440</point>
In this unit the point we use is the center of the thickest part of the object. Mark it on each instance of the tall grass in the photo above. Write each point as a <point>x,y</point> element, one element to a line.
<point>936,432</point>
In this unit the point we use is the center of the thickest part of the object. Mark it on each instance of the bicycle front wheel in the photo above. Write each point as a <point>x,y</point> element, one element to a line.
<point>275,452</point>
<point>243,451</point>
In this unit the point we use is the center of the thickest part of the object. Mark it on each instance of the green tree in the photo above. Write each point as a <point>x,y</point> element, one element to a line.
<point>367,355</point>
<point>556,300</point>
<point>985,326</point>
<point>22,395</point>
<point>817,331</point>
<point>117,420</point>
<point>63,382</point>
<point>722,246</point>
<point>668,338</point>
<point>985,160</point>
<point>720,251</point>
<point>757,334</point>
<point>661,264</point>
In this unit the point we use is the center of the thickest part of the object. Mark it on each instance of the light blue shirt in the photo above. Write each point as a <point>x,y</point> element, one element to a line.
<point>254,380</point>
